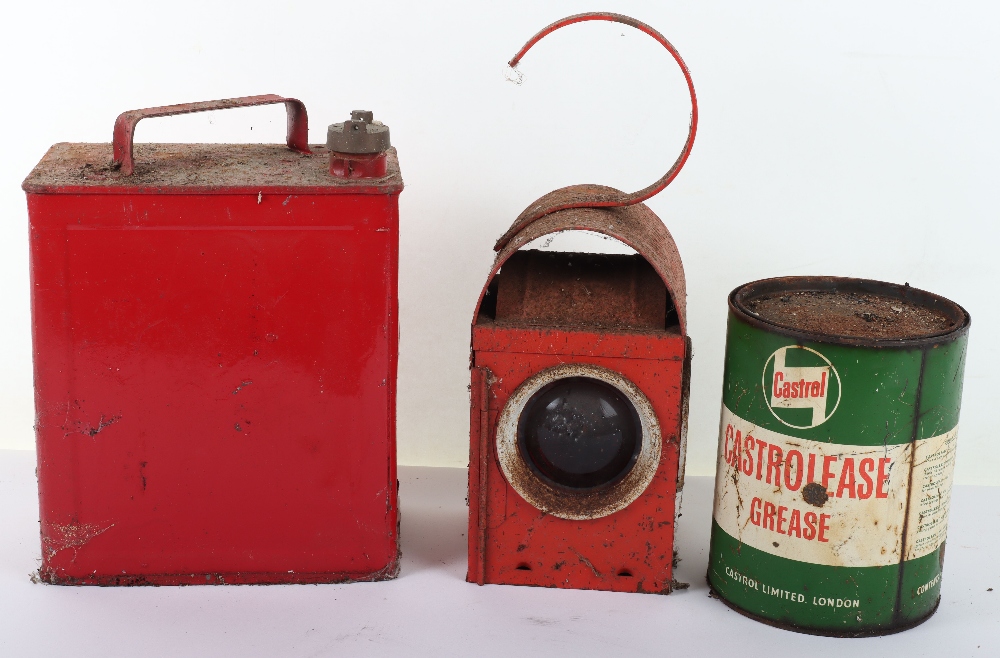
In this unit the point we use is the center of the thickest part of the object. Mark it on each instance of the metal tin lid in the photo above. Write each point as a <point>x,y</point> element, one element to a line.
<point>361,135</point>
<point>833,303</point>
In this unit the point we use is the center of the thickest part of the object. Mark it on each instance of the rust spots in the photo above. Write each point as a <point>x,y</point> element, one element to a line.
<point>815,494</point>
<point>570,289</point>
<point>91,431</point>
<point>242,384</point>
<point>636,226</point>
<point>589,564</point>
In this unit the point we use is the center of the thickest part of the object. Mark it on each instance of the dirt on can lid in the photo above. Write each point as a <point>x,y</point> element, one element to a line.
<point>850,308</point>
<point>849,314</point>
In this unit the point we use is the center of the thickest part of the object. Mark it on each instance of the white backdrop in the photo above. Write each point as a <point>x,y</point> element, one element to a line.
<point>850,138</point>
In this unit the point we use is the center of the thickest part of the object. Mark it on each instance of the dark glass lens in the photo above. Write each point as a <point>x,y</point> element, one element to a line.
<point>579,433</point>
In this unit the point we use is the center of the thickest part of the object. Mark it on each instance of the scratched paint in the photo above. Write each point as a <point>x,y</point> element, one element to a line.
<point>834,469</point>
<point>215,341</point>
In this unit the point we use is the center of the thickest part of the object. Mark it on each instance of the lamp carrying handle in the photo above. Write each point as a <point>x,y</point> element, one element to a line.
<point>599,196</point>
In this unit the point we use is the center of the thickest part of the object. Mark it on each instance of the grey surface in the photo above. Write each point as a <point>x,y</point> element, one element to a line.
<point>431,611</point>
<point>359,135</point>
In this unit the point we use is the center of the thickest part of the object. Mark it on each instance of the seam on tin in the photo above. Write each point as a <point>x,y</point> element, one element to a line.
<point>682,454</point>
<point>897,609</point>
<point>485,380</point>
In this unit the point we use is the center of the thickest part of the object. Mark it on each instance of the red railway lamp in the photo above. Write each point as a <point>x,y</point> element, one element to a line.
<point>580,370</point>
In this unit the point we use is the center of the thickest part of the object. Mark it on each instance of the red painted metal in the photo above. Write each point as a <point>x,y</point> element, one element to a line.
<point>511,540</point>
<point>632,550</point>
<point>357,165</point>
<point>215,345</point>
<point>628,551</point>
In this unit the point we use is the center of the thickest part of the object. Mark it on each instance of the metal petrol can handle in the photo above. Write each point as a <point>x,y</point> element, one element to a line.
<point>297,136</point>
<point>599,196</point>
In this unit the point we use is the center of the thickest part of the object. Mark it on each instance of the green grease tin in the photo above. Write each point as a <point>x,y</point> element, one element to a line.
<point>840,408</point>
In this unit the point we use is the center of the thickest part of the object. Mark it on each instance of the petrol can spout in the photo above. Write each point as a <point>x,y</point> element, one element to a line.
<point>357,146</point>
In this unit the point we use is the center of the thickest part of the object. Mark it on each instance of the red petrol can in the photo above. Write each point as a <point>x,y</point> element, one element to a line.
<point>215,342</point>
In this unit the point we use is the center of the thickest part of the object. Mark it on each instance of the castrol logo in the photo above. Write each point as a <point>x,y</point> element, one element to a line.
<point>801,386</point>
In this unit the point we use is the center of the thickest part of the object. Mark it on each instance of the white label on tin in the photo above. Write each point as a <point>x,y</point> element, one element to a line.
<point>930,494</point>
<point>831,504</point>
